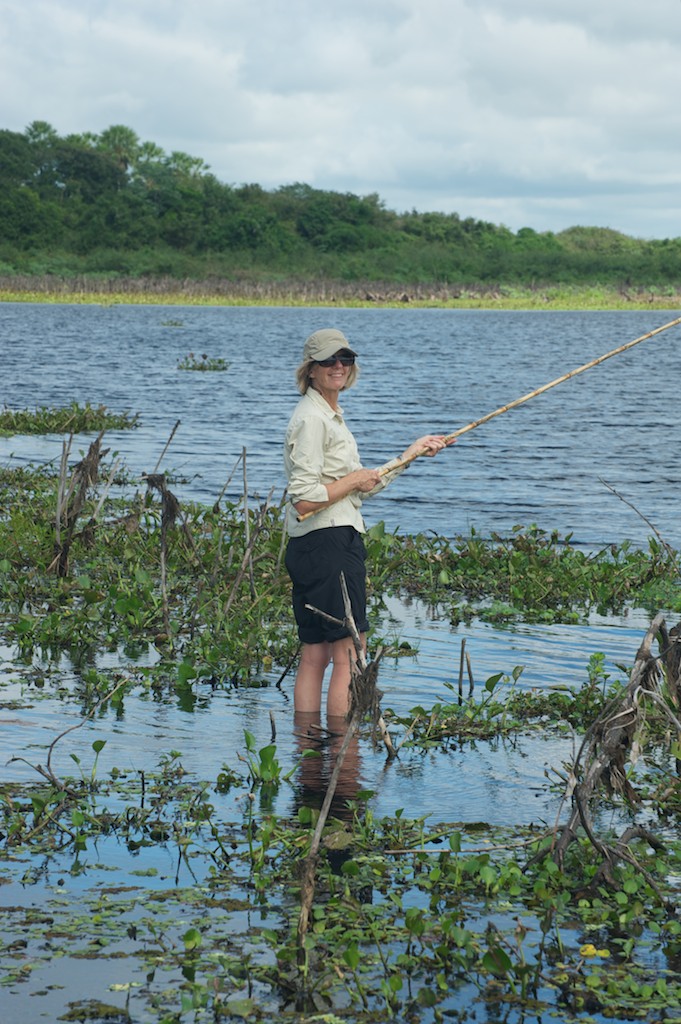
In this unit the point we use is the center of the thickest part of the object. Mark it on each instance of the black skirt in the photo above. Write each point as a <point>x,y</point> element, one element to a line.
<point>314,563</point>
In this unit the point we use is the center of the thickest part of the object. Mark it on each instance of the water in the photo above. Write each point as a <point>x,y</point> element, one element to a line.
<point>421,371</point>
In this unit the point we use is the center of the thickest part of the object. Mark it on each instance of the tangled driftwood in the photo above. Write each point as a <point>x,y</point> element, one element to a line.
<point>612,742</point>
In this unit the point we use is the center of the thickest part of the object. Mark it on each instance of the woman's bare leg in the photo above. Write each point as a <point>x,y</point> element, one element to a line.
<point>342,655</point>
<point>307,693</point>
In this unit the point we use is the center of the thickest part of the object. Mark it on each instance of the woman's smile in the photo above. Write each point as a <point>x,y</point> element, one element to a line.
<point>329,380</point>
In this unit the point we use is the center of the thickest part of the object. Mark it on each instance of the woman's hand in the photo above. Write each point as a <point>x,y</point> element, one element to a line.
<point>429,444</point>
<point>363,480</point>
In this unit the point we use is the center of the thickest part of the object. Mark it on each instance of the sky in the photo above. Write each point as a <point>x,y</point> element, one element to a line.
<point>525,113</point>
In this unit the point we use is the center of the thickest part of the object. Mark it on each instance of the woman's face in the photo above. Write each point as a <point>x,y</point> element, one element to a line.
<point>330,380</point>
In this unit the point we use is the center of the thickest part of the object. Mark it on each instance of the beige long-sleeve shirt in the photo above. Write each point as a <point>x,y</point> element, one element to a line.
<point>318,449</point>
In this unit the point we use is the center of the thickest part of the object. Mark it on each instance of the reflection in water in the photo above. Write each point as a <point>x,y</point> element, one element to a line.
<point>322,746</point>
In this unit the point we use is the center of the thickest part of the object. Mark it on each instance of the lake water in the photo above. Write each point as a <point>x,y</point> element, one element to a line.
<point>421,371</point>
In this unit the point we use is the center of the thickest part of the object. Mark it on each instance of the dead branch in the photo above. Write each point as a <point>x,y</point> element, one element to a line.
<point>246,561</point>
<point>668,548</point>
<point>71,501</point>
<point>364,698</point>
<point>167,446</point>
<point>47,772</point>
<point>611,743</point>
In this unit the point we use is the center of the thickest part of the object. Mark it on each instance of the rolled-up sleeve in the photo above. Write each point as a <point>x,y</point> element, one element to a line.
<point>304,460</point>
<point>389,472</point>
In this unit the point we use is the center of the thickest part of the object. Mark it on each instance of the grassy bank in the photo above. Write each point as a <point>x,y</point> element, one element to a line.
<point>224,292</point>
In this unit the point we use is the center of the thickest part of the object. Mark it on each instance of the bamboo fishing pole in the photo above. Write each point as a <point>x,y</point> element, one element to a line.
<point>401,463</point>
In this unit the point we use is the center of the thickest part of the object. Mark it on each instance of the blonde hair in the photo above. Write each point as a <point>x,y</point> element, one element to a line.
<point>303,381</point>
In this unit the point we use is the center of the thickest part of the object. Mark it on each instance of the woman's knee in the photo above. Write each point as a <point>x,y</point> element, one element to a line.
<point>316,655</point>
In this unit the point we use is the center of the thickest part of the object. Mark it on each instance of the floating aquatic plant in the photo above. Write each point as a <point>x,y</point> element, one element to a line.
<point>71,419</point>
<point>203,363</point>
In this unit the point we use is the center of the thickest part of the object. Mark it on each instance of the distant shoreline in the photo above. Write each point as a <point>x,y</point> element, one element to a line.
<point>330,294</point>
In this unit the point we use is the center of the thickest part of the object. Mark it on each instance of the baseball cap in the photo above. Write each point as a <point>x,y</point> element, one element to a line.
<point>325,343</point>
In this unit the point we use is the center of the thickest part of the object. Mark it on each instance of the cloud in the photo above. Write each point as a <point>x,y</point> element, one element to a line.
<point>539,113</point>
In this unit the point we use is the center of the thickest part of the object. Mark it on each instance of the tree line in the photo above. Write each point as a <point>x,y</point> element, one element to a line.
<point>111,204</point>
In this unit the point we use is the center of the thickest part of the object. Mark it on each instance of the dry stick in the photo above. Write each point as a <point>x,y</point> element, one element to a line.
<point>361,660</point>
<point>356,713</point>
<point>65,450</point>
<point>401,463</point>
<point>247,528</point>
<point>217,566</point>
<point>469,669</point>
<point>461,661</point>
<point>605,741</point>
<point>670,550</point>
<point>310,862</point>
<point>227,483</point>
<point>107,488</point>
<point>168,443</point>
<point>71,505</point>
<point>47,772</point>
<point>170,509</point>
<point>248,554</point>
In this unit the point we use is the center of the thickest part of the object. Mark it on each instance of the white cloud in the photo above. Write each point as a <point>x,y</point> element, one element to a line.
<point>537,112</point>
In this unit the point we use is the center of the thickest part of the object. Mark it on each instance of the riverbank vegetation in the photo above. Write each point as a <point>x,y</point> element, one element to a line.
<point>107,217</point>
<point>409,921</point>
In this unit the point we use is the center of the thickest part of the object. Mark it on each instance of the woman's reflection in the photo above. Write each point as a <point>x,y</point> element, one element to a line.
<point>316,768</point>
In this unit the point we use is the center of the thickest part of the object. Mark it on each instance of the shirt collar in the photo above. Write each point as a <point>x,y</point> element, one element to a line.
<point>322,403</point>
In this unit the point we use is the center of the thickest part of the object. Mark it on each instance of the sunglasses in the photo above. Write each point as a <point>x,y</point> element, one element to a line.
<point>345,359</point>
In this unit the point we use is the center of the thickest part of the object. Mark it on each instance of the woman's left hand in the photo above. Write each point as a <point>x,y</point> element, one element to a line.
<point>428,445</point>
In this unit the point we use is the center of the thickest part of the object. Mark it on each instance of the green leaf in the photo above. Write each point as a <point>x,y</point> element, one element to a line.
<point>351,956</point>
<point>455,842</point>
<point>192,938</point>
<point>241,1007</point>
<point>185,672</point>
<point>491,683</point>
<point>496,961</point>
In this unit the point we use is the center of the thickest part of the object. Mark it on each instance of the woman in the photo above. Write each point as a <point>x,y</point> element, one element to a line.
<point>326,485</point>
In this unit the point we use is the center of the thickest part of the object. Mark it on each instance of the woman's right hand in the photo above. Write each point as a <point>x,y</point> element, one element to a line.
<point>362,480</point>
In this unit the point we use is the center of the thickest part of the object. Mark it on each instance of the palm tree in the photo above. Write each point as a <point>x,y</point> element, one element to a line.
<point>121,143</point>
<point>186,166</point>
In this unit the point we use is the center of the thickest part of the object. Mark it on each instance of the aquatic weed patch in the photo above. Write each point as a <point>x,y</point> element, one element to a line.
<point>133,577</point>
<point>207,586</point>
<point>409,921</point>
<point>531,576</point>
<point>74,419</point>
<point>501,708</point>
<point>167,894</point>
<point>203,363</point>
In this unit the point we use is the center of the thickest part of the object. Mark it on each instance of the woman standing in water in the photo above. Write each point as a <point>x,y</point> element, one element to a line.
<point>327,482</point>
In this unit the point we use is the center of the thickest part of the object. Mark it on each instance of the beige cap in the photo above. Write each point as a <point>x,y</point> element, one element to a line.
<point>325,343</point>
